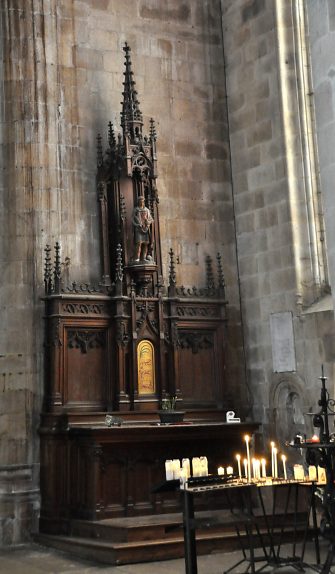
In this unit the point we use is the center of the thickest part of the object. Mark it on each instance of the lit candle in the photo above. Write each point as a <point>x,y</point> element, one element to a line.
<point>263,463</point>
<point>245,463</point>
<point>322,477</point>
<point>221,470</point>
<point>196,466</point>
<point>253,463</point>
<point>185,463</point>
<point>204,466</point>
<point>299,473</point>
<point>312,473</point>
<point>168,470</point>
<point>182,477</point>
<point>283,457</point>
<point>315,438</point>
<point>247,439</point>
<point>238,458</point>
<point>275,462</point>
<point>176,468</point>
<point>272,458</point>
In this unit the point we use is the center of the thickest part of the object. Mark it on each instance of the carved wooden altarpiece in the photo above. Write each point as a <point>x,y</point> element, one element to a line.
<point>124,345</point>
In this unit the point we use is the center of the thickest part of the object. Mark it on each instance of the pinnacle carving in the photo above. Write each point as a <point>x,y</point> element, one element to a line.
<point>119,266</point>
<point>221,282</point>
<point>153,133</point>
<point>131,116</point>
<point>111,136</point>
<point>172,269</point>
<point>47,270</point>
<point>57,268</point>
<point>100,159</point>
<point>209,273</point>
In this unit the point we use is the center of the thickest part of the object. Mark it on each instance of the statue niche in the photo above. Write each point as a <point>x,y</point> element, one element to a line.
<point>128,197</point>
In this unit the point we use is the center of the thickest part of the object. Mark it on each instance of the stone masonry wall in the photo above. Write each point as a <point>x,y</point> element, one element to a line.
<point>269,188</point>
<point>61,74</point>
<point>61,78</point>
<point>321,18</point>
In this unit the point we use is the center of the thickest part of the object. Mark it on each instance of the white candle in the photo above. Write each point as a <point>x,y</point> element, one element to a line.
<point>283,457</point>
<point>195,466</point>
<point>312,474</point>
<point>182,477</point>
<point>204,466</point>
<point>258,469</point>
<point>238,458</point>
<point>247,439</point>
<point>168,470</point>
<point>299,473</point>
<point>253,463</point>
<point>272,459</point>
<point>220,470</point>
<point>245,463</point>
<point>185,463</point>
<point>176,468</point>
<point>275,462</point>
<point>322,477</point>
<point>263,463</point>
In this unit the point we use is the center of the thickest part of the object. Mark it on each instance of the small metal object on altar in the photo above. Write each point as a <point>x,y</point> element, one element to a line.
<point>230,417</point>
<point>298,439</point>
<point>113,421</point>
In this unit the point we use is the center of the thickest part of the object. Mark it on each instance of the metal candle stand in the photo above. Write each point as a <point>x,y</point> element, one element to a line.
<point>322,453</point>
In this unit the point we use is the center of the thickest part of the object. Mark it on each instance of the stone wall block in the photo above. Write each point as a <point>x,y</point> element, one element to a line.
<point>260,133</point>
<point>260,176</point>
<point>241,120</point>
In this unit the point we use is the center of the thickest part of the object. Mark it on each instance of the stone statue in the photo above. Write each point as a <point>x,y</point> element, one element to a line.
<point>142,221</point>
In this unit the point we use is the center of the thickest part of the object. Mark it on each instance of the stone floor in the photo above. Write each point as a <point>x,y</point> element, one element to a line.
<point>34,559</point>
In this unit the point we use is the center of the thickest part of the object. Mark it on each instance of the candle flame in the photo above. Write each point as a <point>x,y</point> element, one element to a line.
<point>238,456</point>
<point>247,438</point>
<point>283,457</point>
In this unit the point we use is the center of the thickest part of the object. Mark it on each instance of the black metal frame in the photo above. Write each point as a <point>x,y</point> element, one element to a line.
<point>245,519</point>
<point>322,454</point>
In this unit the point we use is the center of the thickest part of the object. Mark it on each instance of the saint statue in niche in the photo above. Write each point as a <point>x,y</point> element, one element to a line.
<point>142,222</point>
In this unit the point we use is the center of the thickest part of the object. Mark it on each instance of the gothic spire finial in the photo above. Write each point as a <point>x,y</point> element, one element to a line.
<point>131,116</point>
<point>209,273</point>
<point>111,136</point>
<point>57,268</point>
<point>172,273</point>
<point>221,281</point>
<point>47,271</point>
<point>119,270</point>
<point>153,133</point>
<point>100,160</point>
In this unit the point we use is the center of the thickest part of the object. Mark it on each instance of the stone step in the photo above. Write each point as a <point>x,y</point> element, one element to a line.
<point>148,527</point>
<point>135,552</point>
<point>147,538</point>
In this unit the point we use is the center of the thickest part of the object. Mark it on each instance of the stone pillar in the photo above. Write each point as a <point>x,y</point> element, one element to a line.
<point>19,334</point>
